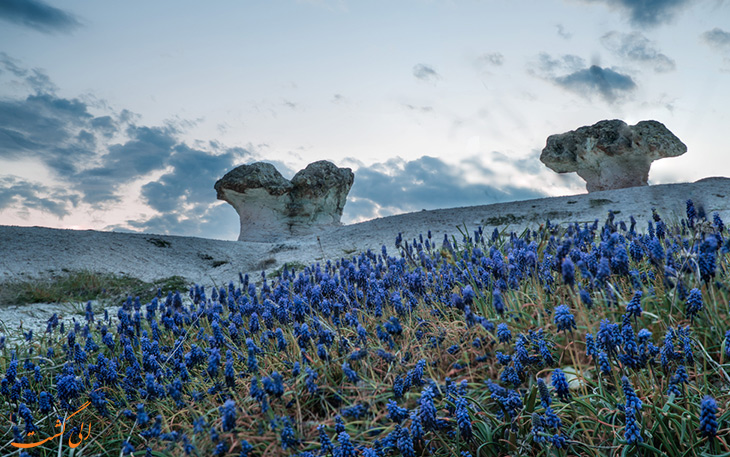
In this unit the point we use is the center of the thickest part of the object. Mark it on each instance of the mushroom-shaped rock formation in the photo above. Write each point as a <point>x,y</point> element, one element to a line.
<point>611,154</point>
<point>271,207</point>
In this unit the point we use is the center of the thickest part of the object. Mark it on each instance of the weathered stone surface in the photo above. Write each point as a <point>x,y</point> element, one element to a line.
<point>258,175</point>
<point>611,154</point>
<point>271,207</point>
<point>319,194</point>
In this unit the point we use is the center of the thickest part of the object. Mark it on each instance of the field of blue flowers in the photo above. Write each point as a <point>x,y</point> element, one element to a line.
<point>593,339</point>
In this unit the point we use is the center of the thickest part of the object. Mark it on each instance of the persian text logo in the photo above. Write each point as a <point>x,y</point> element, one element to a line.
<point>63,428</point>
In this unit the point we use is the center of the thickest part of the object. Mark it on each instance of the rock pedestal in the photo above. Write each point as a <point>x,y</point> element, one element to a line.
<point>271,207</point>
<point>611,154</point>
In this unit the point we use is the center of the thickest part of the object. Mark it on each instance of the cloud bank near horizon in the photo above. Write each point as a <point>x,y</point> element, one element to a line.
<point>399,186</point>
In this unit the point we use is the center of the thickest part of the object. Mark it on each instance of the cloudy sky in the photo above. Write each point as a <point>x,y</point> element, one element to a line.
<point>122,115</point>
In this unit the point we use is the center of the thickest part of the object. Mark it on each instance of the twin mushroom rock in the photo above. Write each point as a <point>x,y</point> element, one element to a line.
<point>607,155</point>
<point>271,207</point>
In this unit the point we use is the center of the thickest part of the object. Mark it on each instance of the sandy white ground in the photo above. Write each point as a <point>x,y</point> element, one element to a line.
<point>37,252</point>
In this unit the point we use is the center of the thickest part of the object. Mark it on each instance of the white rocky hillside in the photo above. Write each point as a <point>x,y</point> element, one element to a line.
<point>33,252</point>
<point>37,252</point>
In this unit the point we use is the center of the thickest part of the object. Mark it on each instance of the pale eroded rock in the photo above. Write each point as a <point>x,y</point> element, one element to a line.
<point>611,154</point>
<point>271,207</point>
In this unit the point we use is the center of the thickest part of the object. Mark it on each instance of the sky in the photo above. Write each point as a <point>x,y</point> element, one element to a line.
<point>122,115</point>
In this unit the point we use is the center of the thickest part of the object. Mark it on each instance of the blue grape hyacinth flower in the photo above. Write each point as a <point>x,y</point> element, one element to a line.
<point>691,214</point>
<point>694,303</point>
<point>632,400</point>
<point>542,388</point>
<point>228,411</point>
<point>568,270</point>
<point>537,429</point>
<point>462,418</point>
<point>708,417</point>
<point>427,410</point>
<point>564,318</point>
<point>503,333</point>
<point>632,432</point>
<point>345,449</point>
<point>498,301</point>
<point>560,383</point>
<point>633,308</point>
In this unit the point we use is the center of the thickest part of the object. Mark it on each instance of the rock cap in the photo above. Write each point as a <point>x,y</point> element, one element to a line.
<point>258,175</point>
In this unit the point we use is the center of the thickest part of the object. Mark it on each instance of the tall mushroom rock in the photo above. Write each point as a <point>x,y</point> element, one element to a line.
<point>271,207</point>
<point>611,154</point>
